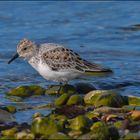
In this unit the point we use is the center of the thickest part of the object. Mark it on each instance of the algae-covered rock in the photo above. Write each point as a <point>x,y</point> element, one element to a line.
<point>14,98</point>
<point>105,98</point>
<point>7,138</point>
<point>54,90</point>
<point>75,133</point>
<point>37,114</point>
<point>101,133</point>
<point>111,99</point>
<point>118,124</point>
<point>23,135</point>
<point>58,117</point>
<point>26,91</point>
<point>84,88</point>
<point>74,100</point>
<point>10,108</point>
<point>9,132</point>
<point>70,111</point>
<point>97,125</point>
<point>80,123</point>
<point>5,116</point>
<point>132,136</point>
<point>45,126</point>
<point>107,109</point>
<point>92,114</point>
<point>134,101</point>
<point>62,99</point>
<point>59,136</point>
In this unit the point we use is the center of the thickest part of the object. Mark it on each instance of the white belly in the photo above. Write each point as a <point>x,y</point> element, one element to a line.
<point>61,76</point>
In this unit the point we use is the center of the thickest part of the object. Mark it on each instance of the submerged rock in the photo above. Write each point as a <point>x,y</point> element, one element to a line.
<point>105,98</point>
<point>58,89</point>
<point>5,116</point>
<point>84,88</point>
<point>10,108</point>
<point>14,98</point>
<point>26,91</point>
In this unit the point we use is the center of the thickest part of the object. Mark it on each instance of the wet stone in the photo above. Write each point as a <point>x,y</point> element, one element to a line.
<point>55,90</point>
<point>26,91</point>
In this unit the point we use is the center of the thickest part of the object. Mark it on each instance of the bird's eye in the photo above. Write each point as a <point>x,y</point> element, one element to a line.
<point>25,49</point>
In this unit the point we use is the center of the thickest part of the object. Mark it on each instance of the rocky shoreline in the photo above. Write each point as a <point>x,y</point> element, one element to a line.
<point>78,112</point>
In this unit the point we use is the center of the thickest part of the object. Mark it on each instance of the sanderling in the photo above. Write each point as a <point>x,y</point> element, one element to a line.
<point>55,62</point>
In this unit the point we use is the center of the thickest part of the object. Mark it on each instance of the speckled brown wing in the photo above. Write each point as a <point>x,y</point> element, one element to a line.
<point>65,59</point>
<point>62,59</point>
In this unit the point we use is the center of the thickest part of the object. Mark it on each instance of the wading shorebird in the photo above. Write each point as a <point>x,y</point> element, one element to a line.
<point>55,62</point>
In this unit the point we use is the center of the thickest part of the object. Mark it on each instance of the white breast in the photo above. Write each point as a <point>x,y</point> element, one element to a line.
<point>58,76</point>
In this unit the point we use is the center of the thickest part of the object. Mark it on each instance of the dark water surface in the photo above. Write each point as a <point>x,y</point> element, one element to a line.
<point>99,31</point>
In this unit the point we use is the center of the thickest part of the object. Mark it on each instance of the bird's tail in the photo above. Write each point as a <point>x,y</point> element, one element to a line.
<point>96,70</point>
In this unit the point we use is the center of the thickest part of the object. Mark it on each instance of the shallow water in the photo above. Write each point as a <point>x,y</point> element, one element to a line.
<point>99,31</point>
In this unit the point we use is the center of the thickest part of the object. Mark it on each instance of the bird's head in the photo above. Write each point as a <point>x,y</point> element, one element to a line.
<point>25,49</point>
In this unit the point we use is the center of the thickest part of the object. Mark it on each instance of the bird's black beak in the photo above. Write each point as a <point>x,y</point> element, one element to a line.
<point>13,58</point>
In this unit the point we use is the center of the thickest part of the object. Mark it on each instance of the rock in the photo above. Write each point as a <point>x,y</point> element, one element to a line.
<point>91,96</point>
<point>6,116</point>
<point>132,136</point>
<point>14,98</point>
<point>23,135</point>
<point>105,98</point>
<point>7,138</point>
<point>37,114</point>
<point>9,132</point>
<point>57,117</point>
<point>70,111</point>
<point>97,125</point>
<point>113,117</point>
<point>101,133</point>
<point>62,99</point>
<point>6,126</point>
<point>45,126</point>
<point>10,108</point>
<point>74,133</point>
<point>59,136</point>
<point>80,123</point>
<point>74,100</point>
<point>133,101</point>
<point>93,115</point>
<point>118,124</point>
<point>128,108</point>
<point>135,115</point>
<point>26,91</point>
<point>133,125</point>
<point>54,90</point>
<point>84,88</point>
<point>107,109</point>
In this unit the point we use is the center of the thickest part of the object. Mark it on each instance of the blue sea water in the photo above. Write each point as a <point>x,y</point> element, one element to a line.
<point>100,32</point>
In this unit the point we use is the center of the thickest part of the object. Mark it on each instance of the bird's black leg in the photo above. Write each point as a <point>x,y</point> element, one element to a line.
<point>61,86</point>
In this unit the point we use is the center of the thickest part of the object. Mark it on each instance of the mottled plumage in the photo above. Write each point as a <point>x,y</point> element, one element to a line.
<point>55,62</point>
